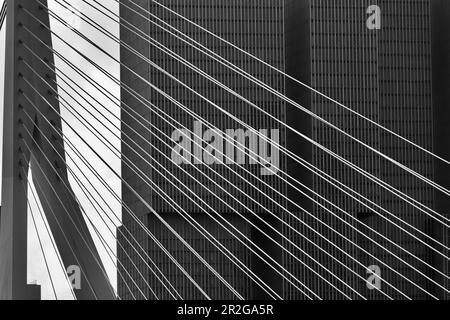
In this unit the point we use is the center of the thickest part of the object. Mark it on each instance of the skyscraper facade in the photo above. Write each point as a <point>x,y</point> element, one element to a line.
<point>179,162</point>
<point>376,57</point>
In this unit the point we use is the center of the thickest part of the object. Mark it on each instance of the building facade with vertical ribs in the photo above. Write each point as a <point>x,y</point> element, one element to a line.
<point>381,59</point>
<point>212,188</point>
<point>384,72</point>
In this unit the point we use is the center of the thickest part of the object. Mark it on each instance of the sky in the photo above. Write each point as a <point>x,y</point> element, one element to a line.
<point>37,272</point>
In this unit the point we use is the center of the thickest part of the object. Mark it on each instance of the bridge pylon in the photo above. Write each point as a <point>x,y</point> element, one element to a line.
<point>31,102</point>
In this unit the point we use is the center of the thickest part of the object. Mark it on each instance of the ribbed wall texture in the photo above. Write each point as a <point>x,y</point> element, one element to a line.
<point>385,74</point>
<point>234,192</point>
